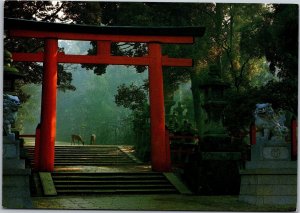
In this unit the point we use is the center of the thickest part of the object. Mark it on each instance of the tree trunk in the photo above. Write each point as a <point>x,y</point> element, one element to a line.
<point>169,102</point>
<point>198,115</point>
<point>218,25</point>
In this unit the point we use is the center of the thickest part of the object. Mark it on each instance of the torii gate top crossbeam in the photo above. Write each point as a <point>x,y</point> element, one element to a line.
<point>36,29</point>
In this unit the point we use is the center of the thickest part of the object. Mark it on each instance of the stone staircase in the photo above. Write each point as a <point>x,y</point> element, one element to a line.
<point>86,156</point>
<point>102,169</point>
<point>67,183</point>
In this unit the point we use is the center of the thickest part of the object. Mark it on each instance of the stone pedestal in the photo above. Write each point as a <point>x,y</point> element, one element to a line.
<point>270,177</point>
<point>15,184</point>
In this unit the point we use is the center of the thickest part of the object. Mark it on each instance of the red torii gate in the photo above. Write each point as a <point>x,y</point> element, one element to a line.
<point>104,36</point>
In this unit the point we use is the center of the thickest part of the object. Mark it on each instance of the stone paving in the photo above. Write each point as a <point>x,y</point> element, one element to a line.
<point>151,203</point>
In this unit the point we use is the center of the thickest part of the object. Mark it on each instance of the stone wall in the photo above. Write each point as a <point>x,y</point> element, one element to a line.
<point>264,186</point>
<point>270,177</point>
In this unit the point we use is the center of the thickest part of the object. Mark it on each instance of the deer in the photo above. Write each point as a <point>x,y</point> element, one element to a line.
<point>76,138</point>
<point>93,139</point>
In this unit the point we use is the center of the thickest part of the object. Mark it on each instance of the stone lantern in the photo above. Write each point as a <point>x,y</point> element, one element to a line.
<point>10,73</point>
<point>214,103</point>
<point>10,102</point>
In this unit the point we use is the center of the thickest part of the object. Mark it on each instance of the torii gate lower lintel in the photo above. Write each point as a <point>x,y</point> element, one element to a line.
<point>52,32</point>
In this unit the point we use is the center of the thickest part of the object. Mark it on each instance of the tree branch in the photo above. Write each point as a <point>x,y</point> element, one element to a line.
<point>54,14</point>
<point>243,67</point>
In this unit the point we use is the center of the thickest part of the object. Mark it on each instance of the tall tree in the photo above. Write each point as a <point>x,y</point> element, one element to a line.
<point>241,21</point>
<point>279,38</point>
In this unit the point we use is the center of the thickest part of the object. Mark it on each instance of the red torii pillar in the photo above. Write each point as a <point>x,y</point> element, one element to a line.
<point>46,147</point>
<point>160,155</point>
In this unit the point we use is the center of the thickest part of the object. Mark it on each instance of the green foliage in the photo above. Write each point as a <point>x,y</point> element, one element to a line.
<point>98,69</point>
<point>132,97</point>
<point>282,95</point>
<point>33,10</point>
<point>250,34</point>
<point>26,118</point>
<point>141,128</point>
<point>135,98</point>
<point>36,10</point>
<point>238,114</point>
<point>280,40</point>
<point>240,45</point>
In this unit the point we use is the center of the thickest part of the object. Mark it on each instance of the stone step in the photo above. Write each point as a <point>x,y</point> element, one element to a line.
<point>106,177</point>
<point>115,151</point>
<point>118,191</point>
<point>109,174</point>
<point>65,154</point>
<point>91,159</point>
<point>86,156</point>
<point>90,148</point>
<point>79,157</point>
<point>58,159</point>
<point>91,163</point>
<point>120,183</point>
<point>87,182</point>
<point>73,152</point>
<point>137,185</point>
<point>95,150</point>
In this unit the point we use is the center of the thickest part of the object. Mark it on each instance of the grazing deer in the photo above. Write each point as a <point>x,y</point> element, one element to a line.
<point>76,138</point>
<point>93,139</point>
